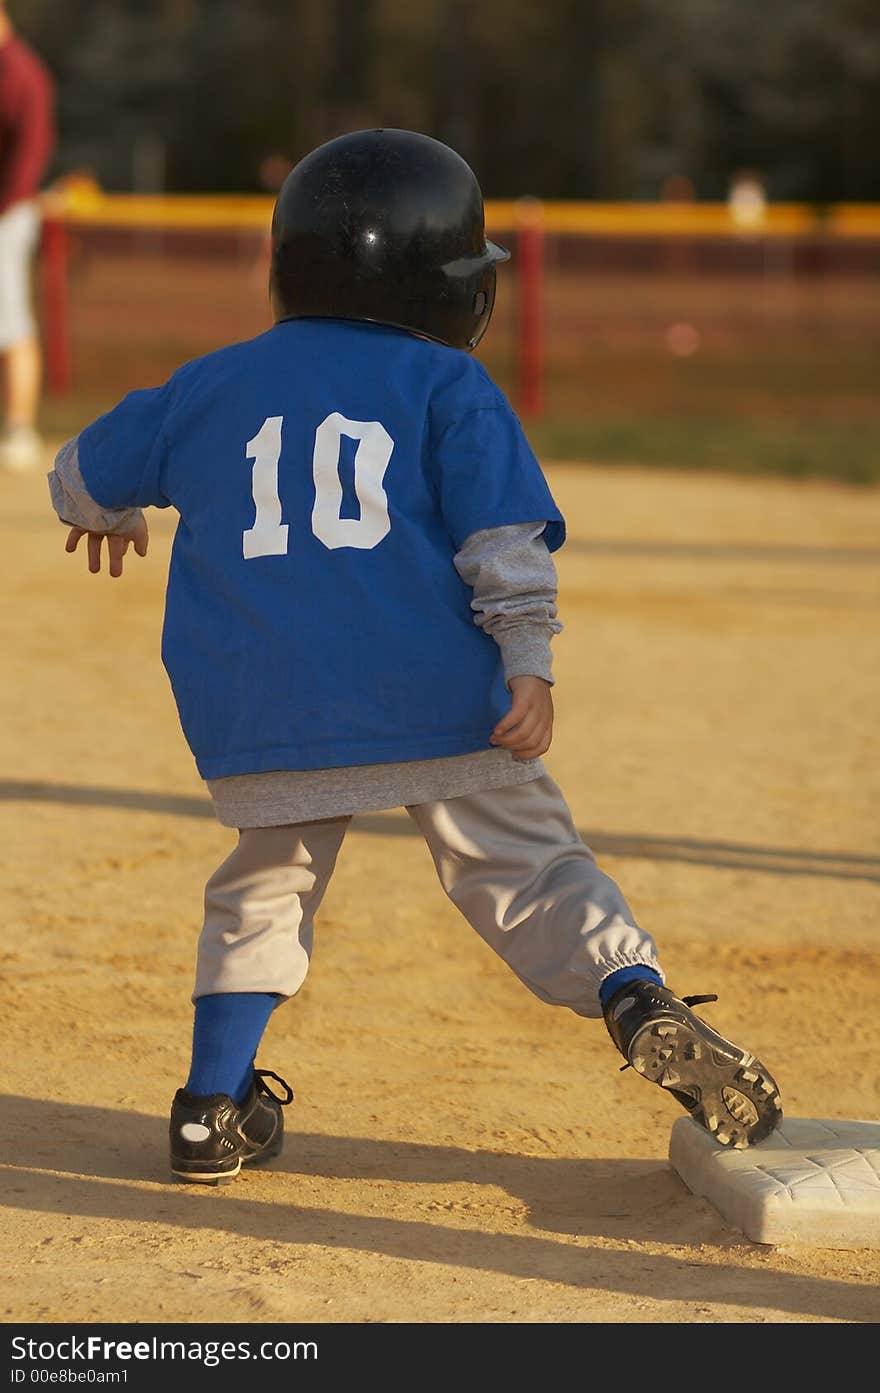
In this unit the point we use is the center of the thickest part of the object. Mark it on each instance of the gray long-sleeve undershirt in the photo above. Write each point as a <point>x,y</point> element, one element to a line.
<point>513,578</point>
<point>73,503</point>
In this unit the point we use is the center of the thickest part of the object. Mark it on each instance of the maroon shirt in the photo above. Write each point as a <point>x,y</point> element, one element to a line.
<point>27,121</point>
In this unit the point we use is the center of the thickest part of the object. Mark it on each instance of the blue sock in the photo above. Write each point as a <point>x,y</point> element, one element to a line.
<point>227,1030</point>
<point>619,979</point>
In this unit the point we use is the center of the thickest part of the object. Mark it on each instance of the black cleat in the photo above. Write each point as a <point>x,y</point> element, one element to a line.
<point>213,1137</point>
<point>726,1089</point>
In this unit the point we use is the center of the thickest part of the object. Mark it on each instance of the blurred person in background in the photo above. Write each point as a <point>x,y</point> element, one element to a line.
<point>747,199</point>
<point>273,170</point>
<point>27,142</point>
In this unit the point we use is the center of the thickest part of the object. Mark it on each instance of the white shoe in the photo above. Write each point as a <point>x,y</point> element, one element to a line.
<point>21,449</point>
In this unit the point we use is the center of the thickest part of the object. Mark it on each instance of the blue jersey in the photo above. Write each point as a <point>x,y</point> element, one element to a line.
<point>325,474</point>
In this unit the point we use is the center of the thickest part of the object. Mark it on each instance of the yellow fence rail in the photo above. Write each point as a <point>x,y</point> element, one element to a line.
<point>76,205</point>
<point>89,207</point>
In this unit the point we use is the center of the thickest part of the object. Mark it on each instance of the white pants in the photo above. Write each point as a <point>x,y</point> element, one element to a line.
<point>509,858</point>
<point>19,227</point>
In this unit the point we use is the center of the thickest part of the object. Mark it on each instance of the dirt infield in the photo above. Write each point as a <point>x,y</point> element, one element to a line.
<point>457,1152</point>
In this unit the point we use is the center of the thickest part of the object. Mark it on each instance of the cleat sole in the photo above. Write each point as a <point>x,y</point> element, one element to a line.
<point>725,1089</point>
<point>206,1177</point>
<point>739,1106</point>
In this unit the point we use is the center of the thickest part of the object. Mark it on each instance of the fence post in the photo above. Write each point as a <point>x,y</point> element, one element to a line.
<point>530,256</point>
<point>56,309</point>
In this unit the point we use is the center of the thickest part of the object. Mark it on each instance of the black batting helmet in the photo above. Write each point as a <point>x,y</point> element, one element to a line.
<point>385,226</point>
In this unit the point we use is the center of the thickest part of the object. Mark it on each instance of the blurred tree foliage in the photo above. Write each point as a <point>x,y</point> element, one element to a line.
<point>566,98</point>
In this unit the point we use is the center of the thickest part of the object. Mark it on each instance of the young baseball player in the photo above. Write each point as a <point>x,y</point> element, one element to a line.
<point>359,611</point>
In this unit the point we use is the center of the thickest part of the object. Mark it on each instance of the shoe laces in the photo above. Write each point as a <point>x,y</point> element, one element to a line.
<point>260,1076</point>
<point>688,1001</point>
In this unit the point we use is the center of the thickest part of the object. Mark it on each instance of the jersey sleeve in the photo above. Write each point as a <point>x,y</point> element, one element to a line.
<point>487,476</point>
<point>123,453</point>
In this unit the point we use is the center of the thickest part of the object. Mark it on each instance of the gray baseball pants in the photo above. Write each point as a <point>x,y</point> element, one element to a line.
<point>509,858</point>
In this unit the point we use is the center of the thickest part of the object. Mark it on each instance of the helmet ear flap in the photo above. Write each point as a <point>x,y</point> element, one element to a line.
<point>484,298</point>
<point>482,306</point>
<point>385,226</point>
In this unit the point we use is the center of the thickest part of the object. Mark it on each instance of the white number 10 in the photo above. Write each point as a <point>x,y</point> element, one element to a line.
<point>269,535</point>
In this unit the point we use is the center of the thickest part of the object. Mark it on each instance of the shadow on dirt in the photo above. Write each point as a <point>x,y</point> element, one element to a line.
<point>834,865</point>
<point>91,1162</point>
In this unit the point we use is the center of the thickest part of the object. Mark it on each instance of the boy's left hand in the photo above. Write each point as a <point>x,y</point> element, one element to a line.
<point>117,545</point>
<point>527,729</point>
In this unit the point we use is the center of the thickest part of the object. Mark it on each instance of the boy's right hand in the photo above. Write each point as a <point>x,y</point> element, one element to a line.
<point>117,545</point>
